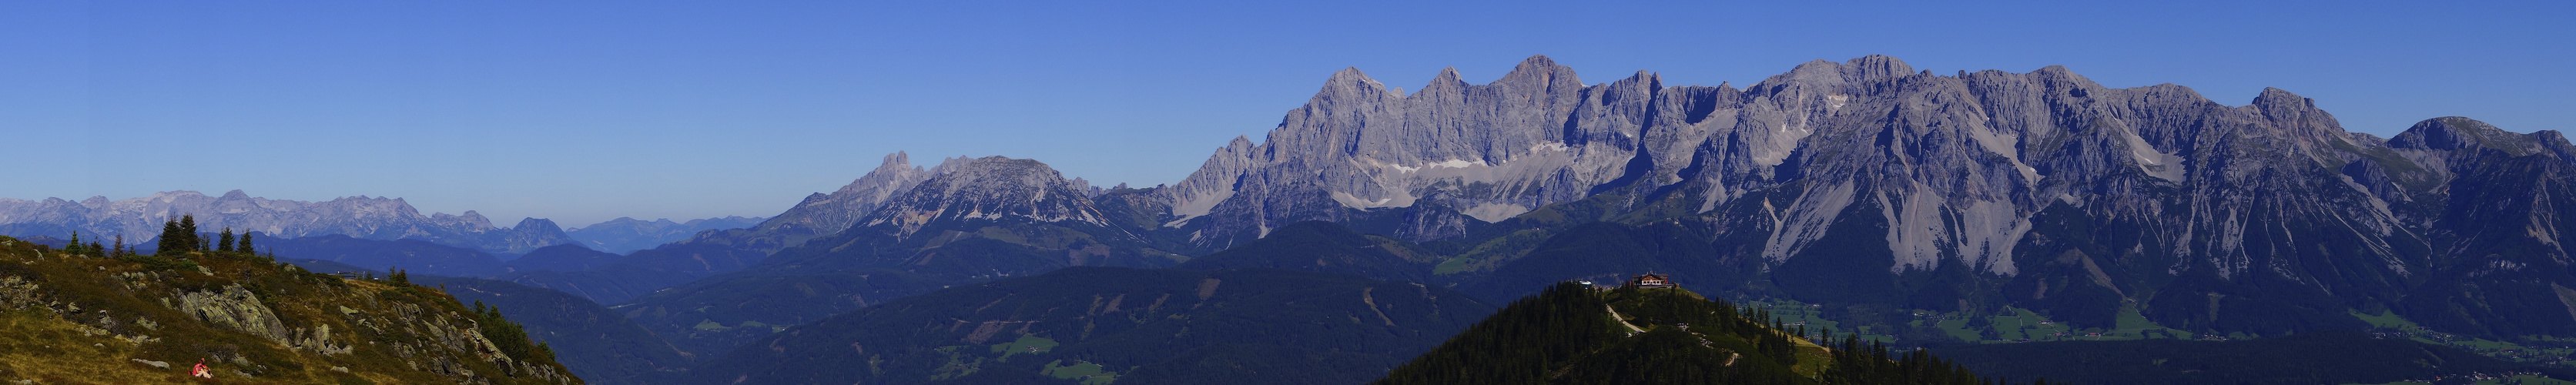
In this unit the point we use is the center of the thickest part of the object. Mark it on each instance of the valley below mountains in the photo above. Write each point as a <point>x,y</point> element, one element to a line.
<point>1838,208</point>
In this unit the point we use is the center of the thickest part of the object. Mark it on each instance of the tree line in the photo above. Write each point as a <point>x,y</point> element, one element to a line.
<point>179,241</point>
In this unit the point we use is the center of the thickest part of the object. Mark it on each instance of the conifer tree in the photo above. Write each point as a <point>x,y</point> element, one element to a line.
<point>188,232</point>
<point>74,248</point>
<point>244,247</point>
<point>170,239</point>
<point>224,241</point>
<point>119,252</point>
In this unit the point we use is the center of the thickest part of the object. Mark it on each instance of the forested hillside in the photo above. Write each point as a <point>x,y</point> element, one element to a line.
<point>1579,334</point>
<point>1096,325</point>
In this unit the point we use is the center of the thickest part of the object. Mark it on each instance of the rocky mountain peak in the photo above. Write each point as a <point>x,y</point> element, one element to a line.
<point>896,159</point>
<point>2454,133</point>
<point>822,214</point>
<point>1447,75</point>
<point>537,224</point>
<point>1351,86</point>
<point>2298,113</point>
<point>989,188</point>
<point>1876,67</point>
<point>1539,73</point>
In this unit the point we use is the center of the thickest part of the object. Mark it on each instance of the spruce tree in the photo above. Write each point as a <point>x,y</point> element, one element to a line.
<point>244,247</point>
<point>224,242</point>
<point>170,239</point>
<point>188,233</point>
<point>73,248</point>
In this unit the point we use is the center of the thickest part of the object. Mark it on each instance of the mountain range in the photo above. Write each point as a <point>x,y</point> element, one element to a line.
<point>625,235</point>
<point>1866,185</point>
<point>140,219</point>
<point>1868,190</point>
<point>1870,182</point>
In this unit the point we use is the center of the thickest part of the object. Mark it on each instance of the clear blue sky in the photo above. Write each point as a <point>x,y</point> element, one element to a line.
<point>585,111</point>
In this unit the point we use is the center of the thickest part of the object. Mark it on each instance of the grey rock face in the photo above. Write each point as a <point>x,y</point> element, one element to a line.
<point>237,309</point>
<point>1949,170</point>
<point>990,188</point>
<point>1535,137</point>
<point>1955,165</point>
<point>139,219</point>
<point>824,214</point>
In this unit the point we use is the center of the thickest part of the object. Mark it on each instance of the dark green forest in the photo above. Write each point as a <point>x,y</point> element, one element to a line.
<point>1575,334</point>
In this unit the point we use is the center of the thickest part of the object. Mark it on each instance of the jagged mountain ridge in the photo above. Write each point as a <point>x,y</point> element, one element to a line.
<point>2043,181</point>
<point>139,219</point>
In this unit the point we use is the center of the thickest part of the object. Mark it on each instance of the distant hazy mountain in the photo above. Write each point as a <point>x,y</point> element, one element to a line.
<point>411,255</point>
<point>975,220</point>
<point>709,253</point>
<point>139,220</point>
<point>625,235</point>
<point>564,257</point>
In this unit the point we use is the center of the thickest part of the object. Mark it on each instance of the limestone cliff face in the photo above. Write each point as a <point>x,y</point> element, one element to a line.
<point>1954,165</point>
<point>1535,137</point>
<point>824,214</point>
<point>990,188</point>
<point>2005,174</point>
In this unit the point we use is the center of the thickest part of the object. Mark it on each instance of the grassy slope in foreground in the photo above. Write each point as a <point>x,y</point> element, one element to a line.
<point>1574,334</point>
<point>85,319</point>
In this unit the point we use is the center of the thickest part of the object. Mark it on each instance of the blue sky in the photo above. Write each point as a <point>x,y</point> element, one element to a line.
<point>585,111</point>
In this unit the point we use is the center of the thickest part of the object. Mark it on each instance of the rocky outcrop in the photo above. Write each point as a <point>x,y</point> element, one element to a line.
<point>218,309</point>
<point>234,308</point>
